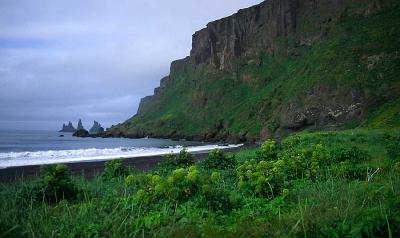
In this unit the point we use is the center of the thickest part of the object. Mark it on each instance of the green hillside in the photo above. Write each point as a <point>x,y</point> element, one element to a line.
<point>348,77</point>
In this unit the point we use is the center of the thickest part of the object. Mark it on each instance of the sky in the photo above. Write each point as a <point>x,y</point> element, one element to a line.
<point>61,60</point>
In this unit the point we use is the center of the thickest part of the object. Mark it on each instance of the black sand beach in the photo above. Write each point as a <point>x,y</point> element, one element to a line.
<point>90,169</point>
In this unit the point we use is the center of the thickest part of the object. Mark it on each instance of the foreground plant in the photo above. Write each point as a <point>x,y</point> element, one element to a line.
<point>56,184</point>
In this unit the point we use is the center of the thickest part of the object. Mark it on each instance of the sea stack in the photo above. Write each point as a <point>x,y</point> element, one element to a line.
<point>96,128</point>
<point>68,128</point>
<point>80,126</point>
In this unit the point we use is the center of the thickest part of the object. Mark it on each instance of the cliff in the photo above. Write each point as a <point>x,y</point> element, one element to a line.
<point>279,67</point>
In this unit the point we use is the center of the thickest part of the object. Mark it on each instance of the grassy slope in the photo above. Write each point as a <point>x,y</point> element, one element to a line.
<point>328,205</point>
<point>359,53</point>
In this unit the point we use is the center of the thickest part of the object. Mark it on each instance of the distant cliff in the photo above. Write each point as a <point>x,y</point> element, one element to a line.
<point>279,67</point>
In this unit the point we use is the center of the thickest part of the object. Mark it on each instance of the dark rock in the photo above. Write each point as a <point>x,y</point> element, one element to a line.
<point>318,109</point>
<point>81,133</point>
<point>246,32</point>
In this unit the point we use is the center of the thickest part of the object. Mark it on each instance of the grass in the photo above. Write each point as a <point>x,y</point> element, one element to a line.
<point>176,200</point>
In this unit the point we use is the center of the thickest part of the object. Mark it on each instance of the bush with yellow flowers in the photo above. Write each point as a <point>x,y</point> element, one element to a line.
<point>306,162</point>
<point>265,178</point>
<point>268,150</point>
<point>268,177</point>
<point>181,184</point>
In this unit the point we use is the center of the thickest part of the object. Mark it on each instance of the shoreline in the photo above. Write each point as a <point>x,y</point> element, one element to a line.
<point>90,169</point>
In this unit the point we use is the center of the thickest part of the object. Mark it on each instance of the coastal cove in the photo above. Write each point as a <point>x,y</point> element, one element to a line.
<point>22,148</point>
<point>92,168</point>
<point>280,119</point>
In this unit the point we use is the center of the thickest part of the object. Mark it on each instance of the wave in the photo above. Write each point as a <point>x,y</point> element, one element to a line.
<point>13,159</point>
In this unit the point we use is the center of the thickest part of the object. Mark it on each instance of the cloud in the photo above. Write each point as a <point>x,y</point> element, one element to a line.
<point>95,59</point>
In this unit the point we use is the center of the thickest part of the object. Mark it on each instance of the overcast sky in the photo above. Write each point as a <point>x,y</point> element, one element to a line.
<point>91,59</point>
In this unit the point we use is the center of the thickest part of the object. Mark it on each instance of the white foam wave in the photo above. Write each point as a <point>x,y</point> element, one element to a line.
<point>13,159</point>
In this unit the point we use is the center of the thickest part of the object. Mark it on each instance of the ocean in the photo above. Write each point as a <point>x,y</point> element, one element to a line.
<point>19,148</point>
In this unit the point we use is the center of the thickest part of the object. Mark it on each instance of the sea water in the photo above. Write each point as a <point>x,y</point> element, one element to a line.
<point>18,148</point>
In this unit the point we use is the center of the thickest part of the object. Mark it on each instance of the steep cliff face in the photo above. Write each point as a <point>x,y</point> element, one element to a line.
<point>248,31</point>
<point>277,67</point>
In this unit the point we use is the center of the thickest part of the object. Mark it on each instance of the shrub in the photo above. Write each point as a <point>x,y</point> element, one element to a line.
<point>56,183</point>
<point>217,160</point>
<point>268,150</point>
<point>265,178</point>
<point>183,159</point>
<point>269,177</point>
<point>114,169</point>
<point>305,162</point>
<point>181,184</point>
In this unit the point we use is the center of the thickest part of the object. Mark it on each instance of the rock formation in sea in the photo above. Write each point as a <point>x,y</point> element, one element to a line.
<point>80,126</point>
<point>81,133</point>
<point>68,128</point>
<point>96,128</point>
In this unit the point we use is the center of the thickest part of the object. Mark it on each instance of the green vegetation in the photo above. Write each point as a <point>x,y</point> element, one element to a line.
<point>55,184</point>
<point>114,169</point>
<point>323,184</point>
<point>330,183</point>
<point>179,160</point>
<point>217,160</point>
